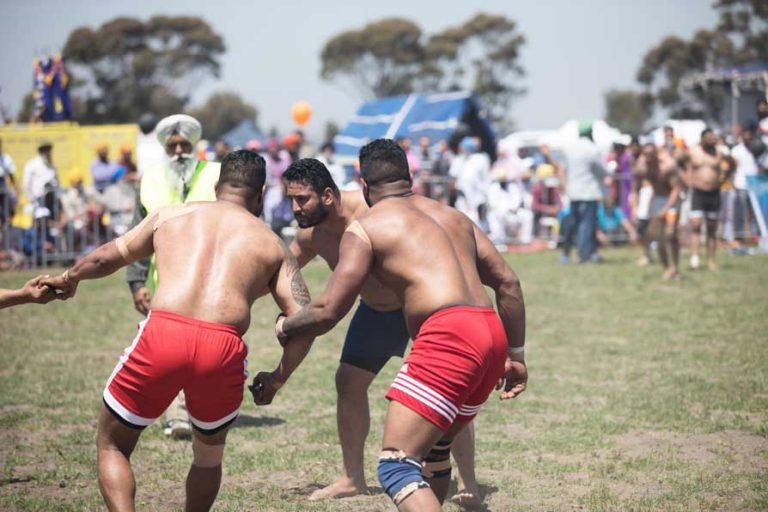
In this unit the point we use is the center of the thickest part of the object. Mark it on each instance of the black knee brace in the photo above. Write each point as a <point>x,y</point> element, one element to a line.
<point>438,462</point>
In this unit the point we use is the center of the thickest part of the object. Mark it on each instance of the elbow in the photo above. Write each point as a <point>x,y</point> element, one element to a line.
<point>327,316</point>
<point>510,285</point>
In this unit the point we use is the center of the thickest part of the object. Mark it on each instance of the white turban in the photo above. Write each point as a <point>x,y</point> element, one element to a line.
<point>182,124</point>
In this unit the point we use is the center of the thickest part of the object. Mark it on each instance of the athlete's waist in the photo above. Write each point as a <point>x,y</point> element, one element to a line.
<point>460,309</point>
<point>196,322</point>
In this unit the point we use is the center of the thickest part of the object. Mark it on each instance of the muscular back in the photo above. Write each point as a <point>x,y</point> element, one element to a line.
<point>426,254</point>
<point>214,260</point>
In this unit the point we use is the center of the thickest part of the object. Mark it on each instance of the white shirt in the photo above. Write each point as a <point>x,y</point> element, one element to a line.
<point>337,171</point>
<point>745,165</point>
<point>38,173</point>
<point>473,178</point>
<point>149,153</point>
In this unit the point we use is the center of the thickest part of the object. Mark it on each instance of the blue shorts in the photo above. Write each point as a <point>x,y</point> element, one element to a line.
<point>374,337</point>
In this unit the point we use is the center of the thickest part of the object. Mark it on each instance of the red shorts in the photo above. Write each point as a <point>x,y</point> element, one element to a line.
<point>172,352</point>
<point>456,360</point>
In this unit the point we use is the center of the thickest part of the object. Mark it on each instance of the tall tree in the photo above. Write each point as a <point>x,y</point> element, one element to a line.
<point>483,55</point>
<point>128,66</point>
<point>222,112</point>
<point>381,59</point>
<point>741,37</point>
<point>392,56</point>
<point>628,110</point>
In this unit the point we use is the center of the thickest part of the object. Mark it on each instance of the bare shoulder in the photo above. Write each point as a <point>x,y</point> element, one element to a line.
<point>354,202</point>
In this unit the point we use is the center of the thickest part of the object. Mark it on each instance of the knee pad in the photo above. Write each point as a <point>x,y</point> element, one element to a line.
<point>438,462</point>
<point>399,474</point>
<point>207,455</point>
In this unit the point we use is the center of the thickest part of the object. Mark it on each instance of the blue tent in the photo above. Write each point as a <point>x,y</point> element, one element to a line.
<point>247,130</point>
<point>440,116</point>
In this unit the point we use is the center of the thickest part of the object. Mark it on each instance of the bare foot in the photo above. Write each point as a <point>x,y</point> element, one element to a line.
<point>670,273</point>
<point>643,261</point>
<point>341,488</point>
<point>467,500</point>
<point>712,266</point>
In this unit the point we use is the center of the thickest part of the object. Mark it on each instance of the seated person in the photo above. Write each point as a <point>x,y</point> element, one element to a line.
<point>612,225</point>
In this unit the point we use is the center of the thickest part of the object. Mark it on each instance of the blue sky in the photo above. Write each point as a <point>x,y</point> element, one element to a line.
<point>575,51</point>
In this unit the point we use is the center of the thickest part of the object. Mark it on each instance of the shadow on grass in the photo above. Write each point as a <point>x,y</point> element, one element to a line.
<point>245,420</point>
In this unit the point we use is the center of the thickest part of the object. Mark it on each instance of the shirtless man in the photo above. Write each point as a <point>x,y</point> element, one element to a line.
<point>706,177</point>
<point>32,292</point>
<point>659,168</point>
<point>460,351</point>
<point>191,338</point>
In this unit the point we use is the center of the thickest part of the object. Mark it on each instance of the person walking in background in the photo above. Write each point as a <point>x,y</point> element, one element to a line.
<point>706,178</point>
<point>585,174</point>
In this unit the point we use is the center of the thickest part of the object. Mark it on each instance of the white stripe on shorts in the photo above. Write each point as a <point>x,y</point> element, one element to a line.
<point>469,410</point>
<point>128,350</point>
<point>117,407</point>
<point>212,425</point>
<point>434,395</point>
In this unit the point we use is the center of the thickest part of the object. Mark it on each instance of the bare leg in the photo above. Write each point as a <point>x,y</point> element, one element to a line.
<point>711,243</point>
<point>467,492</point>
<point>411,433</point>
<point>695,241</point>
<point>204,477</point>
<point>354,421</point>
<point>114,444</point>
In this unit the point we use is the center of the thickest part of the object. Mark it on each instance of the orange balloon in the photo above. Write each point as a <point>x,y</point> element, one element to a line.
<point>301,112</point>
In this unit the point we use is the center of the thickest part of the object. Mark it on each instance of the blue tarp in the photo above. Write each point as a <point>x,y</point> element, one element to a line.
<point>437,115</point>
<point>247,130</point>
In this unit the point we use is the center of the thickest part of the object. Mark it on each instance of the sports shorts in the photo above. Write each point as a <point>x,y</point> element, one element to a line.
<point>705,203</point>
<point>374,337</point>
<point>172,352</point>
<point>456,360</point>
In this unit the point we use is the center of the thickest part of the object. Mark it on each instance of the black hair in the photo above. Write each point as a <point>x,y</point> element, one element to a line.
<point>383,161</point>
<point>311,172</point>
<point>243,169</point>
<point>326,146</point>
<point>706,131</point>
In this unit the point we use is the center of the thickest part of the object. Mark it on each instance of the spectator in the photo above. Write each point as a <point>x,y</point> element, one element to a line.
<point>585,174</point>
<point>103,172</point>
<point>8,191</point>
<point>426,154</point>
<point>746,166</point>
<point>277,162</point>
<point>119,201</point>
<point>74,212</point>
<point>612,225</point>
<point>327,157</point>
<point>508,219</point>
<point>149,153</point>
<point>220,150</point>
<point>471,170</point>
<point>547,202</point>
<point>443,159</point>
<point>305,149</point>
<point>40,175</point>
<point>127,169</point>
<point>292,145</point>
<point>414,162</point>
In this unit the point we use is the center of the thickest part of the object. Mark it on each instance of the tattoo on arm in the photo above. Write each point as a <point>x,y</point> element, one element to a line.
<point>299,289</point>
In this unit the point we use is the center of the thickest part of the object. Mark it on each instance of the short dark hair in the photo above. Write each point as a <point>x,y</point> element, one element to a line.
<point>311,172</point>
<point>706,131</point>
<point>383,161</point>
<point>243,169</point>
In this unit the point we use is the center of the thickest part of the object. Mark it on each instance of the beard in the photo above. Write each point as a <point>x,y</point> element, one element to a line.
<point>180,170</point>
<point>313,219</point>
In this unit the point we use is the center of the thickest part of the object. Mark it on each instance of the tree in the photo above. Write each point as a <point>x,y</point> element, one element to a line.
<point>392,56</point>
<point>482,55</point>
<point>628,110</point>
<point>127,66</point>
<point>222,112</point>
<point>381,59</point>
<point>741,37</point>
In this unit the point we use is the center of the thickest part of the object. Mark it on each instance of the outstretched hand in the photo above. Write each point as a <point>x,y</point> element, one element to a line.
<point>515,379</point>
<point>36,291</point>
<point>264,388</point>
<point>64,287</point>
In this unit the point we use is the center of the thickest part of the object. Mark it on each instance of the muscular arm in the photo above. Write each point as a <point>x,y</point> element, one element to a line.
<point>496,273</point>
<point>108,258</point>
<point>345,283</point>
<point>290,293</point>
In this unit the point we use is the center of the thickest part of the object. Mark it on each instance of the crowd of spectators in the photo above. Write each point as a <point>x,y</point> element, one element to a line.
<point>572,196</point>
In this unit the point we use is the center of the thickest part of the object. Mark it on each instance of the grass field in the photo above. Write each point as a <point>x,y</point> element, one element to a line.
<point>643,395</point>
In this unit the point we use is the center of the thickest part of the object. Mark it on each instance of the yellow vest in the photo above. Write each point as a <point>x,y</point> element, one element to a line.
<point>155,192</point>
